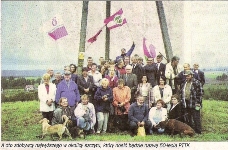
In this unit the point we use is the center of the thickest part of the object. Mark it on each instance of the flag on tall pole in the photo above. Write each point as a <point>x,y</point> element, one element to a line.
<point>116,20</point>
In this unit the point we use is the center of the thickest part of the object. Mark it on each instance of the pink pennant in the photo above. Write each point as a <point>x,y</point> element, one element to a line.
<point>152,51</point>
<point>145,50</point>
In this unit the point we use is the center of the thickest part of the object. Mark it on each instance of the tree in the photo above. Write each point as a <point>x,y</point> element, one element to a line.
<point>82,35</point>
<point>224,76</point>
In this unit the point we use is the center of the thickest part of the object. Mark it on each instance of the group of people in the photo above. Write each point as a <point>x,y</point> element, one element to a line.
<point>134,93</point>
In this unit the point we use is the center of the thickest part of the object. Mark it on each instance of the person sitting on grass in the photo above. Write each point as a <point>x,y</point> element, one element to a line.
<point>175,111</point>
<point>63,109</point>
<point>158,114</point>
<point>138,116</point>
<point>85,115</point>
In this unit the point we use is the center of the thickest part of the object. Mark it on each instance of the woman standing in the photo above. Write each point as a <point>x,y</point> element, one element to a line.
<point>163,91</point>
<point>104,97</point>
<point>73,70</point>
<point>121,103</point>
<point>145,89</point>
<point>46,94</point>
<point>112,78</point>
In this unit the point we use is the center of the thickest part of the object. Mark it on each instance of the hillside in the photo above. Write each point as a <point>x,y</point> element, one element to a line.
<point>24,73</point>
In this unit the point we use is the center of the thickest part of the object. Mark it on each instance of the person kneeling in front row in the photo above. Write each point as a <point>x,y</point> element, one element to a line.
<point>138,116</point>
<point>85,114</point>
<point>158,114</point>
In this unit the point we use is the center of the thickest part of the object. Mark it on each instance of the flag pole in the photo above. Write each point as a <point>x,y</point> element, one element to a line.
<point>162,55</point>
<point>88,46</point>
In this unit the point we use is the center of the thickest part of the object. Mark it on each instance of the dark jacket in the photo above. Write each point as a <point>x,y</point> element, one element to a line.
<point>130,81</point>
<point>138,113</point>
<point>201,76</point>
<point>129,52</point>
<point>82,84</point>
<point>181,77</point>
<point>74,77</point>
<point>160,72</point>
<point>57,116</point>
<point>103,106</point>
<point>176,112</point>
<point>138,71</point>
<point>151,71</point>
<point>195,95</point>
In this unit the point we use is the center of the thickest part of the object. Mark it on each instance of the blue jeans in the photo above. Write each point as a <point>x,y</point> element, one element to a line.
<point>102,119</point>
<point>81,123</point>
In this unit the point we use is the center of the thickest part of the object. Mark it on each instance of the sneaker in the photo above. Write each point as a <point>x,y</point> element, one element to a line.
<point>103,132</point>
<point>98,132</point>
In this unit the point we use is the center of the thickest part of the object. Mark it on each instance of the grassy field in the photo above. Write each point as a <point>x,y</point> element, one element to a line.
<point>20,123</point>
<point>213,74</point>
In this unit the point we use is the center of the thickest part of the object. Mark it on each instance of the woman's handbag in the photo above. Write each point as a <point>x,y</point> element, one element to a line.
<point>141,131</point>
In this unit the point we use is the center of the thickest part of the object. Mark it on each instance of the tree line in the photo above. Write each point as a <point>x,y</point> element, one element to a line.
<point>17,82</point>
<point>222,77</point>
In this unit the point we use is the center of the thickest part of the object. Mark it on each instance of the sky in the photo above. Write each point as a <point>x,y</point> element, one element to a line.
<point>198,32</point>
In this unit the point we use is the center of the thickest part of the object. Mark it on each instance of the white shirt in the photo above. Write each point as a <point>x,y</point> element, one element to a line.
<point>97,76</point>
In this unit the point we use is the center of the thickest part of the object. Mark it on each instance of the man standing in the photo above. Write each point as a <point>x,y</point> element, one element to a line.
<point>69,89</point>
<point>101,59</point>
<point>150,71</point>
<point>130,81</point>
<point>123,52</point>
<point>86,84</point>
<point>200,73</point>
<point>181,77</point>
<point>160,68</point>
<point>126,60</point>
<point>137,69</point>
<point>191,98</point>
<point>171,71</point>
<point>89,63</point>
<point>138,116</point>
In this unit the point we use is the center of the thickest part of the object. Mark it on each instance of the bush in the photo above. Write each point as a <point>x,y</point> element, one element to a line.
<point>21,96</point>
<point>217,94</point>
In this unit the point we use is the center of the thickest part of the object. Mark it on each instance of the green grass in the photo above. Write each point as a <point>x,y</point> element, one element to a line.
<point>11,92</point>
<point>20,123</point>
<point>213,74</point>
